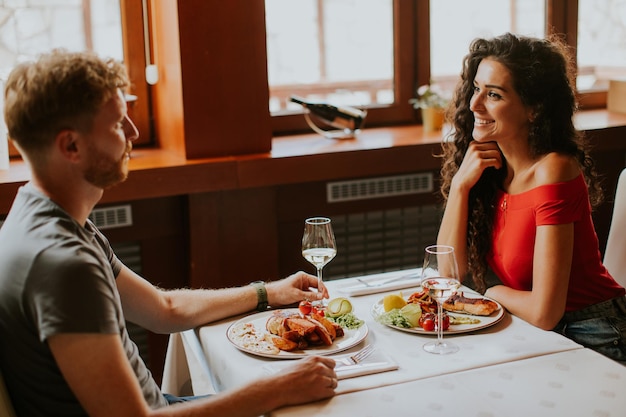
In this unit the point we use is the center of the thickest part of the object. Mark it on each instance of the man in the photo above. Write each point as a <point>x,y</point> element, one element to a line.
<point>65,296</point>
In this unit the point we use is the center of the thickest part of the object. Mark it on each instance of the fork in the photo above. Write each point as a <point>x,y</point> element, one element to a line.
<point>357,357</point>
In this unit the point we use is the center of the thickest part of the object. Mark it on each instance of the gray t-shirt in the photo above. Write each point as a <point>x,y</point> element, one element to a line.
<point>56,276</point>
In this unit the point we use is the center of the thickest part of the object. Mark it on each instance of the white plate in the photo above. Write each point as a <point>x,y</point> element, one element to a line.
<point>351,338</point>
<point>485,321</point>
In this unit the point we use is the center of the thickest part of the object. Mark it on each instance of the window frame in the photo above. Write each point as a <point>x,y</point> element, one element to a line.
<point>134,59</point>
<point>412,35</point>
<point>411,68</point>
<point>134,43</point>
<point>407,74</point>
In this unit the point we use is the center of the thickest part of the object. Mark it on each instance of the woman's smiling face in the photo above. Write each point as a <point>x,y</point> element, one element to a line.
<point>498,110</point>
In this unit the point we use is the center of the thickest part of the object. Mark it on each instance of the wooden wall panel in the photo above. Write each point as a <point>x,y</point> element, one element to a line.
<point>233,237</point>
<point>167,107</point>
<point>222,118</point>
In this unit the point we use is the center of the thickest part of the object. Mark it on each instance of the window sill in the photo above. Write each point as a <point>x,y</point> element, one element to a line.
<point>297,159</point>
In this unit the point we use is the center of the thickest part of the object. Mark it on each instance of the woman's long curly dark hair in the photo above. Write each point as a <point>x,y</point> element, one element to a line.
<point>543,77</point>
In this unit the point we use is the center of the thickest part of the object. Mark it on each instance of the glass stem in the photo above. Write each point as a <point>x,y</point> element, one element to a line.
<point>439,324</point>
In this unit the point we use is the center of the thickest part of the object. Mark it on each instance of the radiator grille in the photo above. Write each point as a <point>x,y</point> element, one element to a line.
<point>379,187</point>
<point>110,217</point>
<point>381,241</point>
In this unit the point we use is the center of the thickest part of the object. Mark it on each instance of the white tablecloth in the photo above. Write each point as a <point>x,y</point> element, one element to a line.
<point>508,341</point>
<point>573,383</point>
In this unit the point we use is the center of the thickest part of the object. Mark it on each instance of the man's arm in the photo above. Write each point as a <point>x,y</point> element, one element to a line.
<point>98,372</point>
<point>96,369</point>
<point>168,311</point>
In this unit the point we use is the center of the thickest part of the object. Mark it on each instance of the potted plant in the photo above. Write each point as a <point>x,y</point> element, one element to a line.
<point>432,100</point>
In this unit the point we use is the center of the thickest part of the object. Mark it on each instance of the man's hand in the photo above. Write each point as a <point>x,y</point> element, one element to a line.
<point>310,379</point>
<point>295,288</point>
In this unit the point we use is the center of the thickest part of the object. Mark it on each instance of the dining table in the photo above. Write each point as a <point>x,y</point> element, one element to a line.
<point>504,366</point>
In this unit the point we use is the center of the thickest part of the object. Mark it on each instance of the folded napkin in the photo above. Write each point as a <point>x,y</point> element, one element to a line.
<point>375,363</point>
<point>388,281</point>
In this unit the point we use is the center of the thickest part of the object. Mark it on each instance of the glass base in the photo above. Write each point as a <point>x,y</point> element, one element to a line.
<point>443,348</point>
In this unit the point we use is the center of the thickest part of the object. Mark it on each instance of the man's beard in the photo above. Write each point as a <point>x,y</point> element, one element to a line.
<point>104,171</point>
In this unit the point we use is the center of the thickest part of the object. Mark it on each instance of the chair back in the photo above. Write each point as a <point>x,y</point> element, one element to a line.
<point>6,408</point>
<point>615,252</point>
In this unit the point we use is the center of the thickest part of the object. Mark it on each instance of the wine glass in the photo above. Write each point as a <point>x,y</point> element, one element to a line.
<point>318,245</point>
<point>440,277</point>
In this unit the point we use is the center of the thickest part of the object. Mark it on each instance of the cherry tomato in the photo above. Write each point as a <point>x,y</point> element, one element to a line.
<point>428,324</point>
<point>305,307</point>
<point>446,321</point>
<point>317,311</point>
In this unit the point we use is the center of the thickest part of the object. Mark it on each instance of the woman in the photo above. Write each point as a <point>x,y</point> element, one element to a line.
<point>519,186</point>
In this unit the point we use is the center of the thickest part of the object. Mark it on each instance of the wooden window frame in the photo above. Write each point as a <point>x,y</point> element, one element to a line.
<point>135,59</point>
<point>411,67</point>
<point>134,56</point>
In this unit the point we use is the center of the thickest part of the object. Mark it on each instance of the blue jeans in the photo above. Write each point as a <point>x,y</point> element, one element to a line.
<point>172,399</point>
<point>601,327</point>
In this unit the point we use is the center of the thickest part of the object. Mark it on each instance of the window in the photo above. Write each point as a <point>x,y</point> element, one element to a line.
<point>339,51</point>
<point>367,34</point>
<point>429,39</point>
<point>33,29</point>
<point>470,20</point>
<point>372,53</point>
<point>342,51</point>
<point>601,43</point>
<point>77,25</point>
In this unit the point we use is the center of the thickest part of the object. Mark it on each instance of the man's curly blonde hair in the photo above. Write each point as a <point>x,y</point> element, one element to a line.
<point>61,90</point>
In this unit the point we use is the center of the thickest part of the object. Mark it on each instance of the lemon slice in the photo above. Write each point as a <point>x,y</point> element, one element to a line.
<point>338,307</point>
<point>392,301</point>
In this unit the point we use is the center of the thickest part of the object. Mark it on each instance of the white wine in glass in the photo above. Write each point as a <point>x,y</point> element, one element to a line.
<point>440,277</point>
<point>318,244</point>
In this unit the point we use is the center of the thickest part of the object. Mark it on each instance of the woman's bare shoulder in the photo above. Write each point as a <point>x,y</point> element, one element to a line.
<point>555,167</point>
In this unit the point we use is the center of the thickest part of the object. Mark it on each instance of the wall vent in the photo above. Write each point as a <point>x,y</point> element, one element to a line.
<point>381,241</point>
<point>111,217</point>
<point>379,187</point>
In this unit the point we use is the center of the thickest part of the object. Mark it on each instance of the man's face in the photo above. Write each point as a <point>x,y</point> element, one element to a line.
<point>109,144</point>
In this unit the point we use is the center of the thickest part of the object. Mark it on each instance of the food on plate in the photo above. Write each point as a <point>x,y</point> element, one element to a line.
<point>425,301</point>
<point>338,307</point>
<point>394,318</point>
<point>347,321</point>
<point>305,307</point>
<point>430,321</point>
<point>413,313</point>
<point>419,311</point>
<point>463,320</point>
<point>301,330</point>
<point>247,336</point>
<point>427,322</point>
<point>476,306</point>
<point>393,301</point>
<point>281,343</point>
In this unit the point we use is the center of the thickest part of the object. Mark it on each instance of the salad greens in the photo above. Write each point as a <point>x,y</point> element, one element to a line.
<point>394,317</point>
<point>347,321</point>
